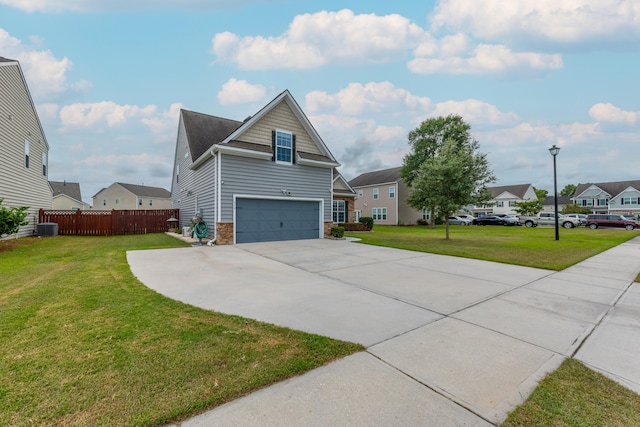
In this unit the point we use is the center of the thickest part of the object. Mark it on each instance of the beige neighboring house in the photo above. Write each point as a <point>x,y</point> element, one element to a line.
<point>618,197</point>
<point>344,196</point>
<point>504,199</point>
<point>549,203</point>
<point>123,196</point>
<point>383,195</point>
<point>23,148</point>
<point>67,196</point>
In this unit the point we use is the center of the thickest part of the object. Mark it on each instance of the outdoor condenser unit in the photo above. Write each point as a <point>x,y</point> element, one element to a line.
<point>47,229</point>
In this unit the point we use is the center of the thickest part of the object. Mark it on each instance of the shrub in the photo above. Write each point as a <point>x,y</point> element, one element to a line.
<point>367,221</point>
<point>423,222</point>
<point>11,219</point>
<point>352,226</point>
<point>337,232</point>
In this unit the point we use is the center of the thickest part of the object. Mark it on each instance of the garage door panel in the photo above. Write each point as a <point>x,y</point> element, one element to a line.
<point>264,220</point>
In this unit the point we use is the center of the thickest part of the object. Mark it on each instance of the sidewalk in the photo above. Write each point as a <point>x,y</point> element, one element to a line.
<point>450,341</point>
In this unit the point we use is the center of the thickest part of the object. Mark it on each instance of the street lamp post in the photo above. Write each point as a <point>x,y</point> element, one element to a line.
<point>554,152</point>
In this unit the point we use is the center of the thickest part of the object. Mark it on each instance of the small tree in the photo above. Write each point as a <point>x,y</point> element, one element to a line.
<point>456,177</point>
<point>577,209</point>
<point>11,219</point>
<point>540,193</point>
<point>568,190</point>
<point>529,207</point>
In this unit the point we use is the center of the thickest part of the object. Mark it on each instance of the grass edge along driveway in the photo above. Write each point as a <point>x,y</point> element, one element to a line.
<point>83,342</point>
<point>573,395</point>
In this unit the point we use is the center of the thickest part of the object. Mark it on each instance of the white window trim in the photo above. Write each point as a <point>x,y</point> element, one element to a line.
<point>283,162</point>
<point>376,194</point>
<point>392,192</point>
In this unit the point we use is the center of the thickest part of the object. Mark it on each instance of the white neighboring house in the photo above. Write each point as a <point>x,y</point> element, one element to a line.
<point>504,199</point>
<point>67,196</point>
<point>23,148</point>
<point>121,196</point>
<point>620,197</point>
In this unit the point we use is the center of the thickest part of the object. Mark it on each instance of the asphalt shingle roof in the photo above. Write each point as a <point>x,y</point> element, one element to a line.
<point>145,191</point>
<point>203,131</point>
<point>613,188</point>
<point>376,177</point>
<point>71,189</point>
<point>518,190</point>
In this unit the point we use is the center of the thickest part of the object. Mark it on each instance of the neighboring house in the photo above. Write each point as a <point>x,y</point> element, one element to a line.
<point>504,199</point>
<point>620,197</point>
<point>548,204</point>
<point>269,177</point>
<point>123,196</point>
<point>383,195</point>
<point>23,148</point>
<point>67,196</point>
<point>343,199</point>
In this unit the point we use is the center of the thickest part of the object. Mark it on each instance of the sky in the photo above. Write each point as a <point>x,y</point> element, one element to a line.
<point>109,77</point>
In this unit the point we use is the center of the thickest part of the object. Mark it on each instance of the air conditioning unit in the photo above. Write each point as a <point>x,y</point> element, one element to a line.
<point>47,229</point>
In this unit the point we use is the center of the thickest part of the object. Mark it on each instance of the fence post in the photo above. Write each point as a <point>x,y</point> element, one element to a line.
<point>76,232</point>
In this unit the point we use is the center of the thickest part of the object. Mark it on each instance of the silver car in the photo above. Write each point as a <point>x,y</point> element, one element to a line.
<point>456,220</point>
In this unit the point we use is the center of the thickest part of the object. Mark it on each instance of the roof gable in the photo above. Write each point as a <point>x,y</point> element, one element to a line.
<point>145,191</point>
<point>383,176</point>
<point>340,185</point>
<point>611,188</point>
<point>71,189</point>
<point>519,190</point>
<point>254,134</point>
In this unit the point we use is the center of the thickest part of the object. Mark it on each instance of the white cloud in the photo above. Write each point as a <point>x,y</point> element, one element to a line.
<point>474,111</point>
<point>481,59</point>
<point>602,112</point>
<point>566,21</point>
<point>107,112</point>
<point>164,125</point>
<point>527,135</point>
<point>237,91</point>
<point>313,40</point>
<point>45,74</point>
<point>372,97</point>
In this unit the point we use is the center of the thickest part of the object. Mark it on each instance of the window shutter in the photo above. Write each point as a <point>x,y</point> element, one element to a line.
<point>293,148</point>
<point>273,145</point>
<point>346,211</point>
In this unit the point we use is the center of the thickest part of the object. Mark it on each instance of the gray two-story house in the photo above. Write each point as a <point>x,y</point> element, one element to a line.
<point>23,148</point>
<point>267,178</point>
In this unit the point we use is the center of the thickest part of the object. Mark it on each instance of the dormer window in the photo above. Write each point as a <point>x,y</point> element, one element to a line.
<point>283,147</point>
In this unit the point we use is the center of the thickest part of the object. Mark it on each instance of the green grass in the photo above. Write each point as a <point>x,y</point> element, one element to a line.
<point>82,342</point>
<point>532,247</point>
<point>576,396</point>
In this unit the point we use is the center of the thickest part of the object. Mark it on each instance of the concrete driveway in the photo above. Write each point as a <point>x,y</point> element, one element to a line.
<point>450,341</point>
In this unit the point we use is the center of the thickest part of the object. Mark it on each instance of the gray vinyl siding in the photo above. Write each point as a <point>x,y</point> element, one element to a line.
<point>20,186</point>
<point>195,189</point>
<point>257,177</point>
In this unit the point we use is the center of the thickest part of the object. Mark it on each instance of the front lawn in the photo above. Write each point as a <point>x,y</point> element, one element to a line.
<point>84,343</point>
<point>532,247</point>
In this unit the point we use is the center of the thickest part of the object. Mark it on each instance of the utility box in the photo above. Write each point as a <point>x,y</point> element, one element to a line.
<point>186,231</point>
<point>47,229</point>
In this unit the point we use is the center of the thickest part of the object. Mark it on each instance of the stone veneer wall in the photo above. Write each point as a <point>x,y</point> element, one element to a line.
<point>224,233</point>
<point>327,228</point>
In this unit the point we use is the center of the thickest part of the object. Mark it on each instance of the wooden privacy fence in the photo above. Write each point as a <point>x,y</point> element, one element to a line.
<point>109,223</point>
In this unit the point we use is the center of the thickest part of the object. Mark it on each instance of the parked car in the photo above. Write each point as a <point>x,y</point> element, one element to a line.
<point>489,220</point>
<point>580,217</point>
<point>509,219</point>
<point>466,216</point>
<point>549,218</point>
<point>605,220</point>
<point>458,220</point>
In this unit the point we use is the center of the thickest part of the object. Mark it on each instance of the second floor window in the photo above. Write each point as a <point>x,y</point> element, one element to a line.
<point>26,154</point>
<point>392,192</point>
<point>284,147</point>
<point>44,164</point>
<point>500,204</point>
<point>375,194</point>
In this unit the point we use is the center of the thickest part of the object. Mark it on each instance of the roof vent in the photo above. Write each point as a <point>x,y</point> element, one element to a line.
<point>247,119</point>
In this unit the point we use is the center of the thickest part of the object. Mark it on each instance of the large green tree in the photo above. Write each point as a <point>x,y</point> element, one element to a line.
<point>540,193</point>
<point>568,190</point>
<point>528,207</point>
<point>426,141</point>
<point>445,169</point>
